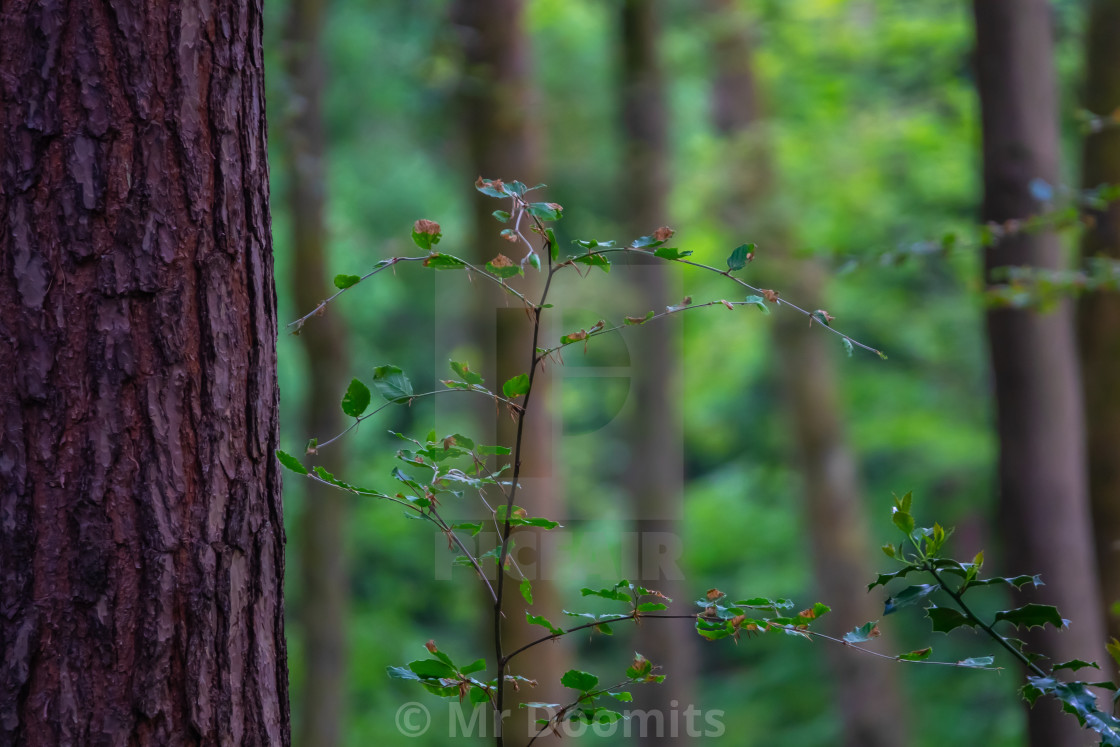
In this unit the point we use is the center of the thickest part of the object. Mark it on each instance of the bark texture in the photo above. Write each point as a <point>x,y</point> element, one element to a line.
<point>867,691</point>
<point>1099,312</point>
<point>141,532</point>
<point>503,143</point>
<point>654,474</point>
<point>321,536</point>
<point>1044,506</point>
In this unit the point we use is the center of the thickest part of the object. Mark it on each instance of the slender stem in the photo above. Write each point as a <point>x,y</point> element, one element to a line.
<point>956,596</point>
<point>459,543</point>
<point>534,359</point>
<point>727,274</point>
<point>358,420</point>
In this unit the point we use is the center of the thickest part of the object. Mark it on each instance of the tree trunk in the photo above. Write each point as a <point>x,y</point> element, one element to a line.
<point>1044,507</point>
<point>141,532</point>
<point>867,691</point>
<point>1099,312</point>
<point>655,472</point>
<point>502,138</point>
<point>322,615</point>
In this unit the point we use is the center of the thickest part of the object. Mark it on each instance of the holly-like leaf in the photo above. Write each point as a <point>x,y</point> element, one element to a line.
<point>739,257</point>
<point>356,399</point>
<point>908,597</point>
<point>290,462</point>
<point>1074,665</point>
<point>945,619</point>
<point>342,282</point>
<point>577,680</point>
<point>393,385</point>
<point>516,386</point>
<point>1033,616</point>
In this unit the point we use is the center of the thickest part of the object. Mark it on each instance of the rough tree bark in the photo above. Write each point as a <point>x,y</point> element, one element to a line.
<point>503,143</point>
<point>1099,312</point>
<point>322,615</point>
<point>868,693</point>
<point>141,532</point>
<point>654,474</point>
<point>1044,506</point>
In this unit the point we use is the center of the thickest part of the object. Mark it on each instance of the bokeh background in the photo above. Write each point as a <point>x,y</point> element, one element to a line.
<point>840,136</point>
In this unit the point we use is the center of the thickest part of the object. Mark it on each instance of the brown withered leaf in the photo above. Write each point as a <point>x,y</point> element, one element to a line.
<point>664,233</point>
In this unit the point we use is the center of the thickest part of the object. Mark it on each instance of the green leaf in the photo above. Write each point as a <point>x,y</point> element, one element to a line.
<point>504,271</point>
<point>652,607</point>
<point>1074,665</point>
<point>553,247</point>
<point>1033,616</point>
<point>546,211</point>
<point>400,673</point>
<point>534,260</point>
<point>356,399</point>
<point>863,633</point>
<point>342,282</point>
<point>439,261</point>
<point>615,594</point>
<point>516,386</point>
<point>544,623</point>
<point>848,346</point>
<point>475,666</point>
<point>463,371</point>
<point>945,619</point>
<point>577,680</point>
<point>393,385</point>
<point>909,596</point>
<point>594,260</point>
<point>738,258</point>
<point>623,696</point>
<point>527,590</point>
<point>977,662</point>
<point>290,462</point>
<point>1017,582</point>
<point>920,655</point>
<point>501,215</point>
<point>431,668</point>
<point>640,669</point>
<point>666,252</point>
<point>760,302</point>
<point>903,520</point>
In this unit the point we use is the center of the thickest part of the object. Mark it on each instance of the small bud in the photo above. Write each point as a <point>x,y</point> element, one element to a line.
<point>431,646</point>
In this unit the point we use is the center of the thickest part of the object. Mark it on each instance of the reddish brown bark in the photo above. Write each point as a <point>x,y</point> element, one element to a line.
<point>503,143</point>
<point>141,531</point>
<point>1044,506</point>
<point>1099,312</point>
<point>654,474</point>
<point>322,614</point>
<point>867,691</point>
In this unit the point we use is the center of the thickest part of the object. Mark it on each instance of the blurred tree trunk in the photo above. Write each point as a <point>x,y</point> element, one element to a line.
<point>1099,312</point>
<point>142,540</point>
<point>868,694</point>
<point>503,143</point>
<point>323,576</point>
<point>654,474</point>
<point>1044,506</point>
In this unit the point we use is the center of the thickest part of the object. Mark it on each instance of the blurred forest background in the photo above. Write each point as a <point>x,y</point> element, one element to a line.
<point>841,136</point>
